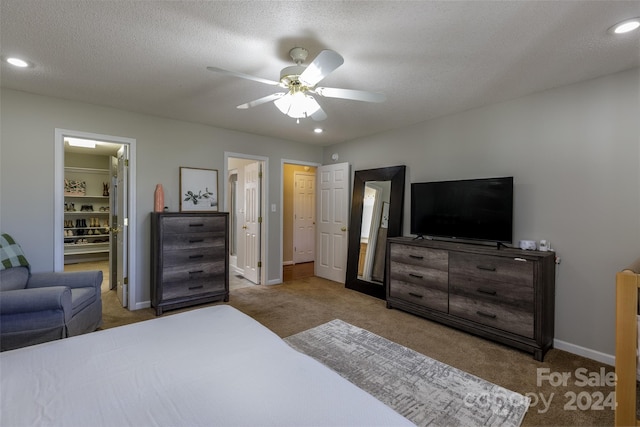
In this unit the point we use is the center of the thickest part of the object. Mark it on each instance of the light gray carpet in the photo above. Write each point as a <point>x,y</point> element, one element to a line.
<point>425,391</point>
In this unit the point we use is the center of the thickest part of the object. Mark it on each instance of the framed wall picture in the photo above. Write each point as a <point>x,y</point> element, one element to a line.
<point>198,190</point>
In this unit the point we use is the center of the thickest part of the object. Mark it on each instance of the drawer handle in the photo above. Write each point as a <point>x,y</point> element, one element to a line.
<point>196,287</point>
<point>490,316</point>
<point>195,256</point>
<point>196,241</point>
<point>417,276</point>
<point>485,268</point>
<point>415,295</point>
<point>416,257</point>
<point>196,225</point>
<point>196,272</point>
<point>487,292</point>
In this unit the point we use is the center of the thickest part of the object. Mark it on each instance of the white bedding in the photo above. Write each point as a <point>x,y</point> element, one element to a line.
<point>213,366</point>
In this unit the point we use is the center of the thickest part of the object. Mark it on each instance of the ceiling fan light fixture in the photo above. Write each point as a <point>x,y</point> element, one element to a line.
<point>297,105</point>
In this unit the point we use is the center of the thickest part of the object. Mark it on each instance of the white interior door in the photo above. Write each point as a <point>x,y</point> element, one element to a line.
<point>252,220</point>
<point>332,220</point>
<point>121,229</point>
<point>304,217</point>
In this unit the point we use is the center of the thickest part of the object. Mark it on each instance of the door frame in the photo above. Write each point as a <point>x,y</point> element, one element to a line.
<point>264,228</point>
<point>296,163</point>
<point>58,203</point>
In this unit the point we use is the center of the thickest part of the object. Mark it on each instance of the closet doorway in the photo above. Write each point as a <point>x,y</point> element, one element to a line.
<point>298,219</point>
<point>94,179</point>
<point>245,200</point>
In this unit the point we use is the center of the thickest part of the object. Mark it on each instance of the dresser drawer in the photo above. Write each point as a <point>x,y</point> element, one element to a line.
<point>433,295</point>
<point>415,255</point>
<point>194,224</point>
<point>193,287</point>
<point>192,256</point>
<point>514,319</point>
<point>490,268</point>
<point>178,242</point>
<point>419,275</point>
<point>193,278</point>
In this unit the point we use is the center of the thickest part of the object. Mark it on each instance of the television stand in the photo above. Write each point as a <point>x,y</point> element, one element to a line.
<point>504,295</point>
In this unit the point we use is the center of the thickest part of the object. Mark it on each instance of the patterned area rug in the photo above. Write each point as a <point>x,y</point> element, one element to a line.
<point>425,391</point>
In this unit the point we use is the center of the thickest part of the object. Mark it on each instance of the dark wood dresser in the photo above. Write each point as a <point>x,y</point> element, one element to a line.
<point>506,295</point>
<point>189,259</point>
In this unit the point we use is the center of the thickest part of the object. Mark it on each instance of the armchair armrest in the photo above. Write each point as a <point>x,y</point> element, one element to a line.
<point>71,279</point>
<point>32,300</point>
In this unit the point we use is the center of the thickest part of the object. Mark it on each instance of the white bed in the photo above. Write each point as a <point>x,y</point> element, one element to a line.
<point>213,366</point>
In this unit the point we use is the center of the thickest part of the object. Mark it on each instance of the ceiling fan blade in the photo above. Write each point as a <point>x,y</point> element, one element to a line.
<point>243,76</point>
<point>321,67</point>
<point>355,95</point>
<point>260,101</point>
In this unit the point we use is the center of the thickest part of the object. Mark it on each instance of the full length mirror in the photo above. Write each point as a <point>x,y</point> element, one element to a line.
<point>376,213</point>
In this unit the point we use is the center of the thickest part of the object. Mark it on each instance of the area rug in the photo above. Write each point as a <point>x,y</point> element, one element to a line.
<point>424,390</point>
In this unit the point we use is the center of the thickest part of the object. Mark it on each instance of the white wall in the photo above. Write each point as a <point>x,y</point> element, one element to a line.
<point>575,155</point>
<point>162,146</point>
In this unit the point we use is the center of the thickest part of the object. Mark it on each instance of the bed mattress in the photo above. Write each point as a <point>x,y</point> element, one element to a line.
<point>213,366</point>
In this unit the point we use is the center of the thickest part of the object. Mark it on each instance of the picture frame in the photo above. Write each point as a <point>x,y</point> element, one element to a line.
<point>198,190</point>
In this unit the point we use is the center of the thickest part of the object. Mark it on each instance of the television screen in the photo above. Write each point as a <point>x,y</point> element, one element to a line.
<point>474,209</point>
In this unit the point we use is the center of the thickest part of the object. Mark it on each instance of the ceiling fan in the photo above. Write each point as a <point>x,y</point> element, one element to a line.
<point>300,82</point>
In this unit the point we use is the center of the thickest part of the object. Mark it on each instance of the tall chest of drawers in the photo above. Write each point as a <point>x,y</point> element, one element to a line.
<point>189,259</point>
<point>506,295</point>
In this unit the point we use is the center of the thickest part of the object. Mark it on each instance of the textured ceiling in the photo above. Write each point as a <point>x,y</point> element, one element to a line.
<point>430,58</point>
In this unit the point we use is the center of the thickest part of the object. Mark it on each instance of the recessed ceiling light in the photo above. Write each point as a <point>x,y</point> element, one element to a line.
<point>17,62</point>
<point>625,26</point>
<point>318,130</point>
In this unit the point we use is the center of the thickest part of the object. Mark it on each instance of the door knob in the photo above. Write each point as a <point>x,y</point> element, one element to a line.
<point>244,227</point>
<point>343,229</point>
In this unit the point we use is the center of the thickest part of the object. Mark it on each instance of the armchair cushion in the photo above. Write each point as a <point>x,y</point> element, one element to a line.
<point>82,298</point>
<point>13,278</point>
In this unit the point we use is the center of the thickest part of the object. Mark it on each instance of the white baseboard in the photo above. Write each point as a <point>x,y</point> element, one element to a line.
<point>141,305</point>
<point>288,263</point>
<point>585,352</point>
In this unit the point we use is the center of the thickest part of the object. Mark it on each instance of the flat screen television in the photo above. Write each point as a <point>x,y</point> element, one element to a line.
<point>472,209</point>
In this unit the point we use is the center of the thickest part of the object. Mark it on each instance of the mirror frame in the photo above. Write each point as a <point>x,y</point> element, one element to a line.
<point>395,174</point>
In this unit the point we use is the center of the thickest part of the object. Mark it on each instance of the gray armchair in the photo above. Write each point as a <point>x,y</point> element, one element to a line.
<point>40,307</point>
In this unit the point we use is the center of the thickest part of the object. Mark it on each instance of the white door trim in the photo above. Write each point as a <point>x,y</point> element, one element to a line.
<point>264,229</point>
<point>58,203</point>
<point>282,163</point>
